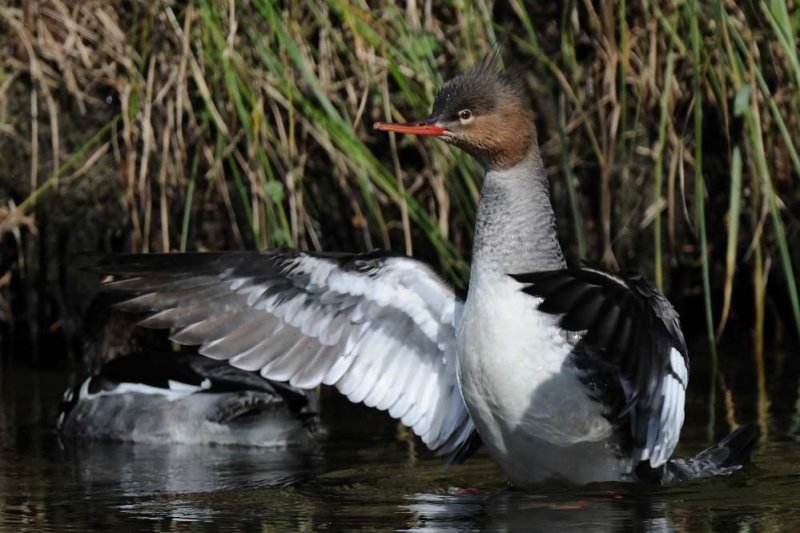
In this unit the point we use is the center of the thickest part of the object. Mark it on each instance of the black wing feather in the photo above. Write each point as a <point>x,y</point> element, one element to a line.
<point>628,325</point>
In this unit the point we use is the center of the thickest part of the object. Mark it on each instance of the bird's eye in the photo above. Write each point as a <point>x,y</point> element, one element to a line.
<point>465,115</point>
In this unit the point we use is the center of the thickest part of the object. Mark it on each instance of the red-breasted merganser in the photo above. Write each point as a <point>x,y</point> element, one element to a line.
<point>140,390</point>
<point>568,373</point>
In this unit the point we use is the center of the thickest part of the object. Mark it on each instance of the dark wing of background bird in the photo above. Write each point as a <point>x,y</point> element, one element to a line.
<point>630,331</point>
<point>379,327</point>
<point>175,375</point>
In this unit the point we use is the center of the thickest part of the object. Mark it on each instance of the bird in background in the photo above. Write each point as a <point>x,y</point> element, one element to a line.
<point>560,372</point>
<point>141,390</point>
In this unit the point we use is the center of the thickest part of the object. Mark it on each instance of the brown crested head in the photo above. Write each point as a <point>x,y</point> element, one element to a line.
<point>484,112</point>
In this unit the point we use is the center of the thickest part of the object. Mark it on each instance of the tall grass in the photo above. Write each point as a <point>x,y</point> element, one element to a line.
<point>247,125</point>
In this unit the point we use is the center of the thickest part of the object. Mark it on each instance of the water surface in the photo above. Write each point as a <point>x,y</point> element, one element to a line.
<point>366,476</point>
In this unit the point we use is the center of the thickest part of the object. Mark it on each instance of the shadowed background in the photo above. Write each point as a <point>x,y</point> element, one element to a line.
<point>669,131</point>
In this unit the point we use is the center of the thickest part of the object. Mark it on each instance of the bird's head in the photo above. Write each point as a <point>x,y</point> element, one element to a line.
<point>485,112</point>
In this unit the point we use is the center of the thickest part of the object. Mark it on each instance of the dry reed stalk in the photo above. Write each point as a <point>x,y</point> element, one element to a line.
<point>247,125</point>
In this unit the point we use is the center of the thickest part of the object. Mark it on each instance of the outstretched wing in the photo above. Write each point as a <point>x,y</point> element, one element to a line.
<point>632,330</point>
<point>378,327</point>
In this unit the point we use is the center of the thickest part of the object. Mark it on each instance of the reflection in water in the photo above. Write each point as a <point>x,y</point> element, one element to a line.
<point>146,469</point>
<point>513,511</point>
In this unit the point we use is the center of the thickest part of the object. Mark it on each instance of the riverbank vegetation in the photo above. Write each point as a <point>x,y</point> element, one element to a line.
<point>669,129</point>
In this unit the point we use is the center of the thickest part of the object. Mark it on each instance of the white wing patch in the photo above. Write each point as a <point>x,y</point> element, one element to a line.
<point>664,431</point>
<point>380,329</point>
<point>176,390</point>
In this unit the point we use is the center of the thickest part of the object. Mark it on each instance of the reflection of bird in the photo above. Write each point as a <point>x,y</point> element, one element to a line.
<point>563,372</point>
<point>114,468</point>
<point>142,391</point>
<point>575,510</point>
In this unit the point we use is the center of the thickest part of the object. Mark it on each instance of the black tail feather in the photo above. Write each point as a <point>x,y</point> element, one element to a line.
<point>740,445</point>
<point>722,458</point>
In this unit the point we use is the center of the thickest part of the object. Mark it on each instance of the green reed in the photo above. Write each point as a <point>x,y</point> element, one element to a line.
<point>262,112</point>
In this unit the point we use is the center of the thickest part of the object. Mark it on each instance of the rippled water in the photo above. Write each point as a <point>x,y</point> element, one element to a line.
<point>363,476</point>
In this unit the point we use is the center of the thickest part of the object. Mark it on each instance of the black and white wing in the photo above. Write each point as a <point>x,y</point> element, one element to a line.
<point>380,328</point>
<point>629,328</point>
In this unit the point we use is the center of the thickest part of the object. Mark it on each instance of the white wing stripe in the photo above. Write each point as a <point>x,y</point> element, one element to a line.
<point>664,430</point>
<point>382,330</point>
<point>678,365</point>
<point>315,370</point>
